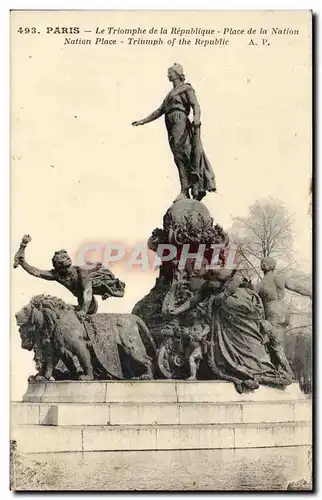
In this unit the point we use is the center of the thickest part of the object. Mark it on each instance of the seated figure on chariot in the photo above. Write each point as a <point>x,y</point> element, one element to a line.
<point>238,344</point>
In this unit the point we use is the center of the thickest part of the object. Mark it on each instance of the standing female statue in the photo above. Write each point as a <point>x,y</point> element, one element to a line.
<point>195,171</point>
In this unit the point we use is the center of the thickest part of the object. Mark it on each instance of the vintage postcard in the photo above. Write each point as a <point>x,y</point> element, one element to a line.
<point>161,240</point>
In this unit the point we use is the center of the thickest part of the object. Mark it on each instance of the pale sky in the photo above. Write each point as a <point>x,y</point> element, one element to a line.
<point>82,174</point>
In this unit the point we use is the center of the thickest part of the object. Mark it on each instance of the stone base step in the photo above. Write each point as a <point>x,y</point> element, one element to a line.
<point>153,391</point>
<point>46,439</point>
<point>112,414</point>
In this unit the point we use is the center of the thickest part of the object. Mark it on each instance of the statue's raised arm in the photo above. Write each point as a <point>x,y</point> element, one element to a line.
<point>19,260</point>
<point>294,285</point>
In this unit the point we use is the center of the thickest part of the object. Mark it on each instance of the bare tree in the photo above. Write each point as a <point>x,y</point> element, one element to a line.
<point>265,232</point>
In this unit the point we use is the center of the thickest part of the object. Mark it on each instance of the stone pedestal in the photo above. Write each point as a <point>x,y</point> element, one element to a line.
<point>157,415</point>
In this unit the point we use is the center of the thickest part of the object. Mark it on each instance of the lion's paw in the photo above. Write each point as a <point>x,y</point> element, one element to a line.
<point>37,378</point>
<point>86,377</point>
<point>145,376</point>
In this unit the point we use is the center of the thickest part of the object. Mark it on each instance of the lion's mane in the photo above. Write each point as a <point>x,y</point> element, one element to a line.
<point>46,311</point>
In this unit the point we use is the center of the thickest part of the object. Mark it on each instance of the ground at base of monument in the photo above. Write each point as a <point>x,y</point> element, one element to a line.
<point>208,470</point>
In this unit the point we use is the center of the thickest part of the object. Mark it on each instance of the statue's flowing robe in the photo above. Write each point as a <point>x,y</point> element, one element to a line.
<point>237,344</point>
<point>102,333</point>
<point>194,167</point>
<point>101,278</point>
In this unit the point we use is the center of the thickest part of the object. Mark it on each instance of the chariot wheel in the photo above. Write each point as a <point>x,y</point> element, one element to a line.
<point>171,362</point>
